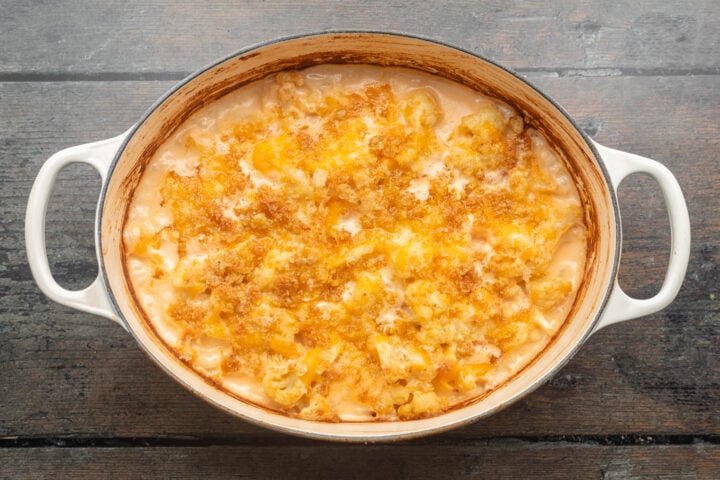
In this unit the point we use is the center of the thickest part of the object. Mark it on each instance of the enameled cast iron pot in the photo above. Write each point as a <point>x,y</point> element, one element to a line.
<point>597,171</point>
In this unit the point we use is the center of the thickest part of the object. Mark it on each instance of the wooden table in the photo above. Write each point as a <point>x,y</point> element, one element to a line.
<point>78,399</point>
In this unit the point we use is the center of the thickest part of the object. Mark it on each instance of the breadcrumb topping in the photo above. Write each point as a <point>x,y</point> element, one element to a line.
<point>336,252</point>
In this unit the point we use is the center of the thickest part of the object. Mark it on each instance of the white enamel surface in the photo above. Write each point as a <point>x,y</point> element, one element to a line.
<point>92,299</point>
<point>621,306</point>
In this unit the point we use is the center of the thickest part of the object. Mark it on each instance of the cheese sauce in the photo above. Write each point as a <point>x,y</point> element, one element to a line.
<point>355,242</point>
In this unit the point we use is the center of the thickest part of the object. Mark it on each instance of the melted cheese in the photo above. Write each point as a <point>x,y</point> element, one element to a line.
<point>356,243</point>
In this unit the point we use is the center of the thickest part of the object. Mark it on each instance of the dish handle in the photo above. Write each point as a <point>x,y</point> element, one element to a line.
<point>620,306</point>
<point>94,298</point>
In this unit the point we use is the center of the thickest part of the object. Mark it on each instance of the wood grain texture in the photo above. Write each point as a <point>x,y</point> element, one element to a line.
<point>502,460</point>
<point>78,374</point>
<point>78,399</point>
<point>161,38</point>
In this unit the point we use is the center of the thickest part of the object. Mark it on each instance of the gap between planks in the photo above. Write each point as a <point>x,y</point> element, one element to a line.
<point>528,72</point>
<point>194,442</point>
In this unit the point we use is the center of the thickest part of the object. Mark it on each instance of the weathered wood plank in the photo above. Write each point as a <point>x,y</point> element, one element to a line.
<point>71,373</point>
<point>152,37</point>
<point>504,460</point>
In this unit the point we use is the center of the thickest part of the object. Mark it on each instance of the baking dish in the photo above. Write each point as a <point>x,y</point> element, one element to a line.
<point>597,171</point>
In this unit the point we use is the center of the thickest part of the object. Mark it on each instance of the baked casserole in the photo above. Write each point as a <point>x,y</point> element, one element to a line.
<point>356,243</point>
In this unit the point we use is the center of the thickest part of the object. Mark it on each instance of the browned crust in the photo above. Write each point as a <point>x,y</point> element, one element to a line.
<point>215,91</point>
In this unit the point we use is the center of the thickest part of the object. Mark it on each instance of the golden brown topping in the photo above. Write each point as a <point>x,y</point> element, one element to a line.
<point>337,250</point>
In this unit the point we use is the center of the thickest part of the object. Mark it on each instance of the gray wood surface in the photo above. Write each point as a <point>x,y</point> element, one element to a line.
<point>640,400</point>
<point>162,38</point>
<point>505,460</point>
